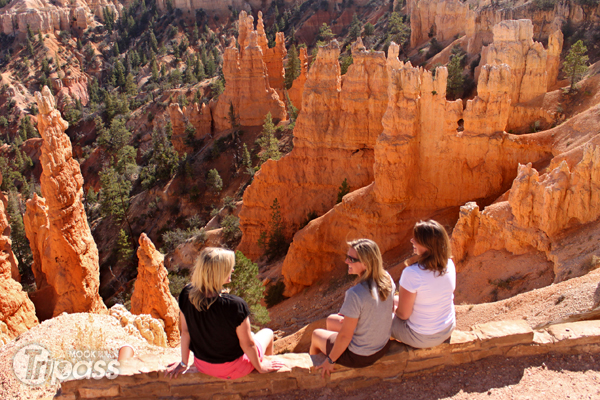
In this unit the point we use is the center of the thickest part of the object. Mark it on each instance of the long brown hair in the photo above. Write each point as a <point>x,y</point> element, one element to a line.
<point>370,256</point>
<point>432,235</point>
<point>211,269</point>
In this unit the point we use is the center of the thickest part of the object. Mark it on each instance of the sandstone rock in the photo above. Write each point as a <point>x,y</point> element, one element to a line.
<point>151,329</point>
<point>67,253</point>
<point>17,313</point>
<point>538,209</point>
<point>444,19</point>
<point>423,164</point>
<point>6,255</point>
<point>71,87</point>
<point>151,294</point>
<point>197,115</point>
<point>297,88</point>
<point>513,45</point>
<point>336,132</point>
<point>555,45</point>
<point>246,88</point>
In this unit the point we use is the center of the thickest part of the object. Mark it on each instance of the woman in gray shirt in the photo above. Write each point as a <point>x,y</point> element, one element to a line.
<point>359,334</point>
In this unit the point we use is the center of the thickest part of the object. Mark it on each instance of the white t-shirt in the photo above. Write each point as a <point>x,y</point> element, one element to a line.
<point>433,311</point>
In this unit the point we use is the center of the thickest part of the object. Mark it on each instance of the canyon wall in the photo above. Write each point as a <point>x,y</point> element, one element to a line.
<point>50,16</point>
<point>197,115</point>
<point>247,82</point>
<point>425,164</point>
<point>440,19</point>
<point>65,254</point>
<point>151,294</point>
<point>17,313</point>
<point>538,209</point>
<point>336,133</point>
<point>297,89</point>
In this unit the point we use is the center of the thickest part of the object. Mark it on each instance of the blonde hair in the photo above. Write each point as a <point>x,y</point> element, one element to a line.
<point>211,269</point>
<point>370,256</point>
<point>432,235</point>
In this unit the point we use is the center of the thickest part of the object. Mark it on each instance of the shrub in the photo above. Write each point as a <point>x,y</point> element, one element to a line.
<point>172,239</point>
<point>343,190</point>
<point>231,229</point>
<point>245,284</point>
<point>273,242</point>
<point>274,294</point>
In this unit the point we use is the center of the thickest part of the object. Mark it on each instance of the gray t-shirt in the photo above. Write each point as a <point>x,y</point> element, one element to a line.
<point>374,326</point>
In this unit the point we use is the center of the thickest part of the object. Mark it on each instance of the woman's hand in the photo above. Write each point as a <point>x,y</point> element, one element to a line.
<point>327,367</point>
<point>173,370</point>
<point>270,366</point>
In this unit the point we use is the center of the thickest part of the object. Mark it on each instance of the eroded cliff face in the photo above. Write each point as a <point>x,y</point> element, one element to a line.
<point>197,115</point>
<point>297,89</point>
<point>48,17</point>
<point>59,235</point>
<point>70,88</point>
<point>425,165</point>
<point>247,82</point>
<point>442,19</point>
<point>336,133</point>
<point>151,294</point>
<point>538,210</point>
<point>17,313</point>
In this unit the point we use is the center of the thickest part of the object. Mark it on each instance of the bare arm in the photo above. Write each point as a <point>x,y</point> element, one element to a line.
<point>176,368</point>
<point>342,341</point>
<point>244,334</point>
<point>406,302</point>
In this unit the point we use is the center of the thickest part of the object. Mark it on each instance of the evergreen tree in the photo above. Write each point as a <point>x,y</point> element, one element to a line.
<point>195,34</point>
<point>124,249</point>
<point>355,27</point>
<point>268,142</point>
<point>30,48</point>
<point>245,284</point>
<point>30,34</point>
<point>130,85</point>
<point>20,244</point>
<point>325,33</point>
<point>199,69</point>
<point>273,241</point>
<point>40,37</point>
<point>343,190</point>
<point>456,79</point>
<point>292,69</point>
<point>114,194</point>
<point>153,42</point>
<point>214,180</point>
<point>246,158</point>
<point>575,64</point>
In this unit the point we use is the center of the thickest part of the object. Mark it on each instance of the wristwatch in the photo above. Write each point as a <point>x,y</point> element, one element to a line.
<point>184,365</point>
<point>330,360</point>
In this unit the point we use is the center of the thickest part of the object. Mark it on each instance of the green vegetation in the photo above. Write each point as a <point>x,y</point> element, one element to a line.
<point>456,78</point>
<point>267,141</point>
<point>20,244</point>
<point>575,64</point>
<point>343,190</point>
<point>245,284</point>
<point>231,230</point>
<point>274,294</point>
<point>292,69</point>
<point>273,241</point>
<point>214,181</point>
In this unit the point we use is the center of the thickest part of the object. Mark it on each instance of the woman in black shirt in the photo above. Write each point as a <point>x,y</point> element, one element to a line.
<point>216,325</point>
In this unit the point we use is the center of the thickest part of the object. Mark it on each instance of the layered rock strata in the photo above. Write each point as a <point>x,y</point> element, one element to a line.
<point>197,115</point>
<point>426,160</point>
<point>247,88</point>
<point>7,257</point>
<point>297,89</point>
<point>70,88</point>
<point>336,132</point>
<point>59,235</point>
<point>151,329</point>
<point>17,313</point>
<point>442,19</point>
<point>151,294</point>
<point>538,209</point>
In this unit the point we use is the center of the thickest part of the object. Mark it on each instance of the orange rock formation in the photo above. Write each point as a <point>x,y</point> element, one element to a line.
<point>423,160</point>
<point>5,242</point>
<point>444,19</point>
<point>297,88</point>
<point>70,88</point>
<point>197,115</point>
<point>247,85</point>
<point>17,313</point>
<point>336,132</point>
<point>151,329</point>
<point>538,209</point>
<point>59,235</point>
<point>151,294</point>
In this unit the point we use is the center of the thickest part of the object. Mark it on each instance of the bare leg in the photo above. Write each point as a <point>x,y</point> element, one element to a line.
<point>396,301</point>
<point>265,338</point>
<point>318,342</point>
<point>334,322</point>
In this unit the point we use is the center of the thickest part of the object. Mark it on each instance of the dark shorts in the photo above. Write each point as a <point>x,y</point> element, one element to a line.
<point>351,360</point>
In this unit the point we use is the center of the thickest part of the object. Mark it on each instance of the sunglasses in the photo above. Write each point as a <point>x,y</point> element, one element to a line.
<point>352,259</point>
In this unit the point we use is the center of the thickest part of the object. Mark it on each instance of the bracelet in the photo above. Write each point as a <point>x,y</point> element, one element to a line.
<point>182,364</point>
<point>330,360</point>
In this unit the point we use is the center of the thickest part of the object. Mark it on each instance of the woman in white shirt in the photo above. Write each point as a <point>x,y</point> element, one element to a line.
<point>425,314</point>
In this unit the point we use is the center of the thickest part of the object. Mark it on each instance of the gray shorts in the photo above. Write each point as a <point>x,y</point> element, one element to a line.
<point>404,333</point>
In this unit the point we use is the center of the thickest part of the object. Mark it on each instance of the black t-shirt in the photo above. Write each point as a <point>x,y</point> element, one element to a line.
<point>212,332</point>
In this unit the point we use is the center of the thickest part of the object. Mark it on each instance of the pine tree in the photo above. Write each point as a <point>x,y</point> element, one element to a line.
<point>130,86</point>
<point>20,244</point>
<point>245,284</point>
<point>268,142</point>
<point>575,64</point>
<point>214,180</point>
<point>456,79</point>
<point>153,42</point>
<point>114,194</point>
<point>124,249</point>
<point>343,190</point>
<point>246,158</point>
<point>355,27</point>
<point>292,69</point>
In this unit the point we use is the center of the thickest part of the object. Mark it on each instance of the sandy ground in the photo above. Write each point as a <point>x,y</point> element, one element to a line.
<point>539,377</point>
